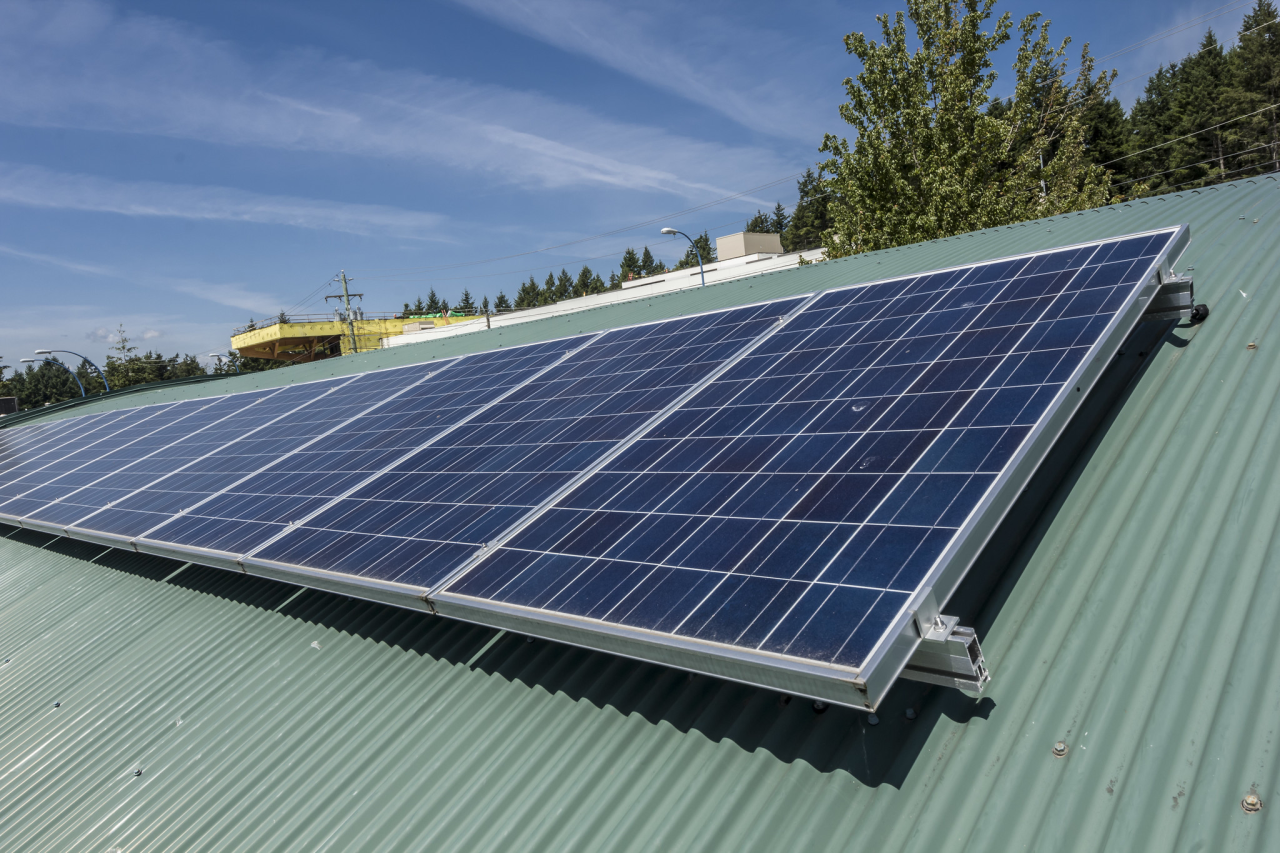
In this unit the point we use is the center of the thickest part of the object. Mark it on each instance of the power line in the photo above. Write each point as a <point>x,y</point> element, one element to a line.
<point>552,267</point>
<point>1192,165</point>
<point>1189,135</point>
<point>623,230</point>
<point>1231,172</point>
<point>1176,29</point>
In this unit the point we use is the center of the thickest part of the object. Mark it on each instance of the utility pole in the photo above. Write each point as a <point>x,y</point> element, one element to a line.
<point>346,303</point>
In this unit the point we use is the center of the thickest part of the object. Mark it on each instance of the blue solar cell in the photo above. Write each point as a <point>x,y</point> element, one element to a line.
<point>84,442</point>
<point>179,474</point>
<point>421,519</point>
<point>793,505</point>
<point>69,496</point>
<point>360,433</point>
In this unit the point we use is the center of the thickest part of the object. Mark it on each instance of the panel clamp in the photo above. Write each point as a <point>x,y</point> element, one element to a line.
<point>1175,300</point>
<point>948,653</point>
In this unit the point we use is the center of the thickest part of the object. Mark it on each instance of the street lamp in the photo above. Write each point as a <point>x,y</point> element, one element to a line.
<point>101,375</point>
<point>224,358</point>
<point>60,364</point>
<point>695,249</point>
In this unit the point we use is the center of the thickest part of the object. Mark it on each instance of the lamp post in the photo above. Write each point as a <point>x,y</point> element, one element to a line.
<point>695,250</point>
<point>224,358</point>
<point>101,375</point>
<point>60,364</point>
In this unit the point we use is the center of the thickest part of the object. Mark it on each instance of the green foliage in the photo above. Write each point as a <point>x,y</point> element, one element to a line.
<point>564,286</point>
<point>690,259</point>
<point>649,266</point>
<point>502,303</point>
<point>529,295</point>
<point>1190,99</point>
<point>766,223</point>
<point>433,304</point>
<point>484,306</point>
<point>811,215</point>
<point>156,367</point>
<point>587,283</point>
<point>630,267</point>
<point>42,384</point>
<point>466,304</point>
<point>929,159</point>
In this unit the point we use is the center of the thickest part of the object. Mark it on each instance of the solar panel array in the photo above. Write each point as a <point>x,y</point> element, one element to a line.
<point>763,488</point>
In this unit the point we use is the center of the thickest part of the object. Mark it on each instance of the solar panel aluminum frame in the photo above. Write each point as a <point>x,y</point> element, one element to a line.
<point>863,688</point>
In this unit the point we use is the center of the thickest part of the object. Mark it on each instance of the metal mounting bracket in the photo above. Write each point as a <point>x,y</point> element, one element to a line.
<point>948,653</point>
<point>1174,300</point>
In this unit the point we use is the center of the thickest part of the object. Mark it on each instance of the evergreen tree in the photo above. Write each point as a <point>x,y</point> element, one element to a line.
<point>780,220</point>
<point>630,267</point>
<point>548,294</point>
<point>690,259</point>
<point>1107,138</point>
<point>433,304</point>
<point>484,306</point>
<point>761,223</point>
<point>466,304</point>
<point>444,307</point>
<point>529,295</point>
<point>564,286</point>
<point>1255,74</point>
<point>649,266</point>
<point>810,217</point>
<point>585,283</point>
<point>89,378</point>
<point>502,304</point>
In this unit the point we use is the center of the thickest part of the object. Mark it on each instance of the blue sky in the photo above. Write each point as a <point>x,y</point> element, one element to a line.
<point>179,167</point>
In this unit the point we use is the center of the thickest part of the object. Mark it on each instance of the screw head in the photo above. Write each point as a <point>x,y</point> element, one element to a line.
<point>57,704</point>
<point>138,772</point>
<point>873,720</point>
<point>911,713</point>
<point>819,707</point>
<point>1251,803</point>
<point>1251,345</point>
<point>1059,749</point>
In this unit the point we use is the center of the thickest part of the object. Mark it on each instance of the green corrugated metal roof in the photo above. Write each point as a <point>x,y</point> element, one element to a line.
<point>1134,624</point>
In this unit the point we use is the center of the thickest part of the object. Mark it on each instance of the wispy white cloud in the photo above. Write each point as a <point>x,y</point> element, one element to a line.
<point>230,294</point>
<point>80,64</point>
<point>39,187</point>
<point>64,263</point>
<point>702,60</point>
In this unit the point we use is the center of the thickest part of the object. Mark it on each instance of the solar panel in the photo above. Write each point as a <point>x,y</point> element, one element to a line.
<point>390,414</point>
<point>56,484</point>
<point>415,522</point>
<point>76,444</point>
<point>767,493</point>
<point>142,493</point>
<point>789,514</point>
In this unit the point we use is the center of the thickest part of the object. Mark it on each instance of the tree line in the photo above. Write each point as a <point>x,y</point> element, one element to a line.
<point>43,384</point>
<point>557,288</point>
<point>935,154</point>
